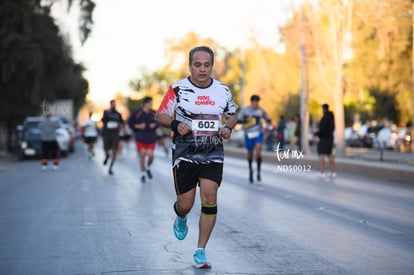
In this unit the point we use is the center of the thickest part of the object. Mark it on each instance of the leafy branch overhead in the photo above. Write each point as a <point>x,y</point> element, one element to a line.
<point>86,8</point>
<point>35,61</point>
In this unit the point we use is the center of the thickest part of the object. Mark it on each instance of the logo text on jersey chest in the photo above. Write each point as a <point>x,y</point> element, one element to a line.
<point>204,100</point>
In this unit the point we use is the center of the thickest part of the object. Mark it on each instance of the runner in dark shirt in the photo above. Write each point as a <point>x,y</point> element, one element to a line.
<point>143,124</point>
<point>113,122</point>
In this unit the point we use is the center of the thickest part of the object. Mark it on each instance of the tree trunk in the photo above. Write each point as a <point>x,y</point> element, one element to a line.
<point>3,137</point>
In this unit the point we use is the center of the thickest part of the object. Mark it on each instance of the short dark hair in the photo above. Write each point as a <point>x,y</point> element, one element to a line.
<point>254,98</point>
<point>325,106</point>
<point>146,99</point>
<point>203,49</point>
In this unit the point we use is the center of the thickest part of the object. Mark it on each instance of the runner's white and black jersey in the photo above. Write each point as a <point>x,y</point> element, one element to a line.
<point>202,109</point>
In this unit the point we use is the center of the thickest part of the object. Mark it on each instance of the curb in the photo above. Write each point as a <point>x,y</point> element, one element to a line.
<point>398,173</point>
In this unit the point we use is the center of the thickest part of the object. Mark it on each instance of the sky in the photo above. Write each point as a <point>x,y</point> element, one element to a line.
<point>128,35</point>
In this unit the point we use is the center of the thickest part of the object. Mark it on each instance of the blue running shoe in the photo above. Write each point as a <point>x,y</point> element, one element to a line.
<point>180,228</point>
<point>200,258</point>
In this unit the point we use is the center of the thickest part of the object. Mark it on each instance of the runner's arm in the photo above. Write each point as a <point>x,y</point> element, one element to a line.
<point>166,121</point>
<point>231,121</point>
<point>227,128</point>
<point>163,119</point>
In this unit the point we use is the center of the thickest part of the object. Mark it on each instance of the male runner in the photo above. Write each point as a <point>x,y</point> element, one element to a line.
<point>113,122</point>
<point>193,108</point>
<point>251,116</point>
<point>142,122</point>
<point>90,134</point>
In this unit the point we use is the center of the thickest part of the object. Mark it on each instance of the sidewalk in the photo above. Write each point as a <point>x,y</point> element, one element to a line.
<point>357,162</point>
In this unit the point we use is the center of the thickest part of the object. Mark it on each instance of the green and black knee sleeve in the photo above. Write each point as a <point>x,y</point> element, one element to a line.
<point>209,209</point>
<point>177,212</point>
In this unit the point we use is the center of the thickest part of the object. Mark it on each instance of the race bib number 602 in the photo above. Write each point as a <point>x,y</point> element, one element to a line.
<point>205,125</point>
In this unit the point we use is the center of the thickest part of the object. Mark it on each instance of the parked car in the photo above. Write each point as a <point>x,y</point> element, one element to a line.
<point>352,138</point>
<point>385,138</point>
<point>71,130</point>
<point>404,140</point>
<point>367,134</point>
<point>30,144</point>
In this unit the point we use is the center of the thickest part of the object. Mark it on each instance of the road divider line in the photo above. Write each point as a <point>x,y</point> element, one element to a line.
<point>89,216</point>
<point>382,228</point>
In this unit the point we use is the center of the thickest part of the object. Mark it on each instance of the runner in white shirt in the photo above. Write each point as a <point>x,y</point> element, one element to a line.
<point>90,134</point>
<point>193,108</point>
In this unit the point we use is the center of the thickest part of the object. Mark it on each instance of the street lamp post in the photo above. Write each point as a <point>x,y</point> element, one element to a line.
<point>243,77</point>
<point>304,95</point>
<point>412,110</point>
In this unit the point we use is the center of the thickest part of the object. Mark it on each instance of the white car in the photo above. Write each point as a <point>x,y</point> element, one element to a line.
<point>385,138</point>
<point>30,144</point>
<point>65,123</point>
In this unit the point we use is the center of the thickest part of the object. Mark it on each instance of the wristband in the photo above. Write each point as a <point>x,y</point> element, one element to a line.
<point>174,125</point>
<point>225,126</point>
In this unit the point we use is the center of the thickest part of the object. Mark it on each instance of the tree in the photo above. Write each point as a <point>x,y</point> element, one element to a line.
<point>86,8</point>
<point>272,75</point>
<point>156,83</point>
<point>330,23</point>
<point>382,45</point>
<point>35,63</point>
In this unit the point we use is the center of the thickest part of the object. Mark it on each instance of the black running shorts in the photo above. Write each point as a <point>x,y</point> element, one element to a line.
<point>110,141</point>
<point>325,146</point>
<point>187,174</point>
<point>90,140</point>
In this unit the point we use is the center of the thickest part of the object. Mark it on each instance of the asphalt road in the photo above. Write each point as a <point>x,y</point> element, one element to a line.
<point>80,220</point>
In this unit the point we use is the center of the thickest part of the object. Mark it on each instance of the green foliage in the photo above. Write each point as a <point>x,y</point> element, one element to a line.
<point>153,83</point>
<point>232,73</point>
<point>35,63</point>
<point>362,104</point>
<point>377,77</point>
<point>156,83</point>
<point>133,104</point>
<point>381,63</point>
<point>292,107</point>
<point>85,21</point>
